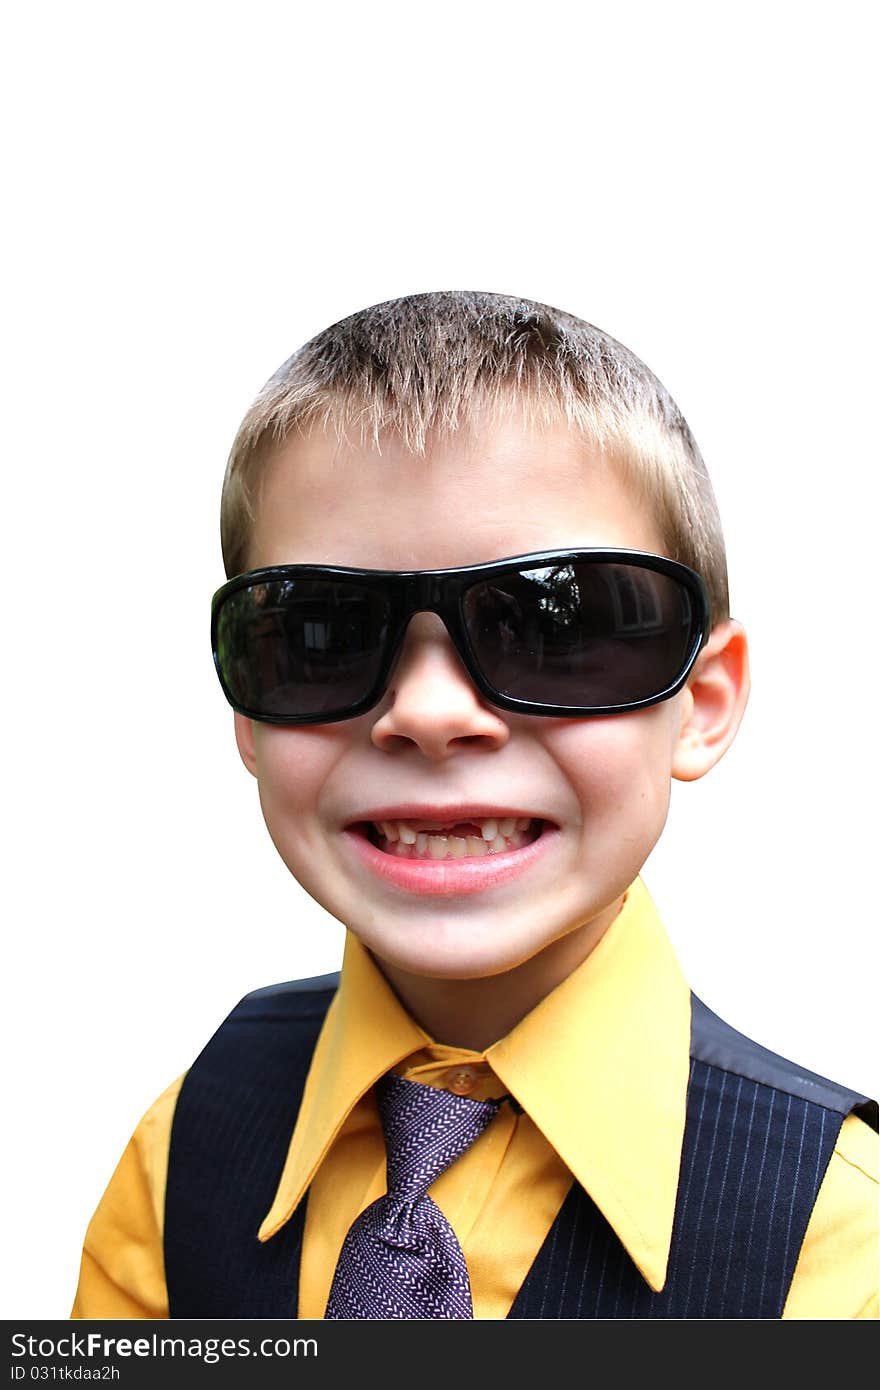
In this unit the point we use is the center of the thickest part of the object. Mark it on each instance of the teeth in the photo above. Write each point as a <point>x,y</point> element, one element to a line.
<point>454,847</point>
<point>496,836</point>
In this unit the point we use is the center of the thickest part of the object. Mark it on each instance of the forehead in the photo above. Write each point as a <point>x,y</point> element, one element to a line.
<point>476,495</point>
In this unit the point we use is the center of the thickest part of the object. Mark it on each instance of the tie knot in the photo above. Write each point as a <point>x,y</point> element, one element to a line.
<point>426,1130</point>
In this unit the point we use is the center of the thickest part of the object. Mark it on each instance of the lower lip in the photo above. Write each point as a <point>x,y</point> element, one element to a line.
<point>445,877</point>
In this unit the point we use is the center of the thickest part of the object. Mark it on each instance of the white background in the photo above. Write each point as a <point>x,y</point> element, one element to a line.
<point>195,189</point>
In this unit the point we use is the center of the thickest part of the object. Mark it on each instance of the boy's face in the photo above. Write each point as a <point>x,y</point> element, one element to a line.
<point>602,784</point>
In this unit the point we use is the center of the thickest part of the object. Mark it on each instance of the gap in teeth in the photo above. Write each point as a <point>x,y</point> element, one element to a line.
<point>426,841</point>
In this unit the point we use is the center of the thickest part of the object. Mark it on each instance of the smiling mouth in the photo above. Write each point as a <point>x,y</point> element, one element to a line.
<point>469,839</point>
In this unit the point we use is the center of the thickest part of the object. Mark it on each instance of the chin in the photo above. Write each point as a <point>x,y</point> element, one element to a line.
<point>452,960</point>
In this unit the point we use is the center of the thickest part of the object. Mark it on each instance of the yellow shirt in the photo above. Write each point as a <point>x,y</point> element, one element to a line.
<point>616,1033</point>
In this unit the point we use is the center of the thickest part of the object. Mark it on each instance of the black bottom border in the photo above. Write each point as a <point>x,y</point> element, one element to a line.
<point>134,1353</point>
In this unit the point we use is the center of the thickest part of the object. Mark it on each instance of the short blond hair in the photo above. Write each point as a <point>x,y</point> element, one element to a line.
<point>430,364</point>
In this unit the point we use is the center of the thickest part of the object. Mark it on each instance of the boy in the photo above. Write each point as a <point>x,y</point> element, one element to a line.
<point>476,620</point>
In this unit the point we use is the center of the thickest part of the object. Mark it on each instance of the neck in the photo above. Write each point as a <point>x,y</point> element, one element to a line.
<point>475,1013</point>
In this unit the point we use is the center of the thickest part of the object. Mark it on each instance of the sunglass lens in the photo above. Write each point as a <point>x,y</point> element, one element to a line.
<point>295,649</point>
<point>581,634</point>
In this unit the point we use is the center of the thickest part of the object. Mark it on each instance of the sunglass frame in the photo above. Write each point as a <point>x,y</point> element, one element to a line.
<point>442,592</point>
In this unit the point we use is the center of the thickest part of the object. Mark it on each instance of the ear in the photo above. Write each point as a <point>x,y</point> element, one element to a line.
<point>714,702</point>
<point>244,737</point>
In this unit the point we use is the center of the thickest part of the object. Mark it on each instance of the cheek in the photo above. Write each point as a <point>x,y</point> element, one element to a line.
<point>293,766</point>
<point>294,769</point>
<point>620,770</point>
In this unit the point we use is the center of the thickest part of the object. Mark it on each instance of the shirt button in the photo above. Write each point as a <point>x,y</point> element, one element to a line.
<point>461,1080</point>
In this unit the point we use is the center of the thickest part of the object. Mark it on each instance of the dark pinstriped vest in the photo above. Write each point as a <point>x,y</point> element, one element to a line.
<point>758,1137</point>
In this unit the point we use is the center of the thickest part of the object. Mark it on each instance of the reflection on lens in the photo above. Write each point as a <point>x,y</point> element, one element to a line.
<point>293,648</point>
<point>581,633</point>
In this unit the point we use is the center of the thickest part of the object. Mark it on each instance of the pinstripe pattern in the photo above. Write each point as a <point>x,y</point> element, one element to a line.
<point>751,1164</point>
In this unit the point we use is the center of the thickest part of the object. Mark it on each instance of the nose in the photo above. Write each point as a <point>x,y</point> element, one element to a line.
<point>431,702</point>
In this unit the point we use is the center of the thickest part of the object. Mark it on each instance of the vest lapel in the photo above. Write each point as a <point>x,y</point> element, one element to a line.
<point>232,1126</point>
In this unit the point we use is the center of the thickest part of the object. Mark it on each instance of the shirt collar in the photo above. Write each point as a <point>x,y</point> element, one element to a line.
<point>366,1032</point>
<point>600,1066</point>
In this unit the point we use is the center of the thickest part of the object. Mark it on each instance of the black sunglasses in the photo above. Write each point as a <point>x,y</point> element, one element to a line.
<point>567,632</point>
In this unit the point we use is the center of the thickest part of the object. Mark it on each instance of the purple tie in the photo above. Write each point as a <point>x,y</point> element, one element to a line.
<point>401,1258</point>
